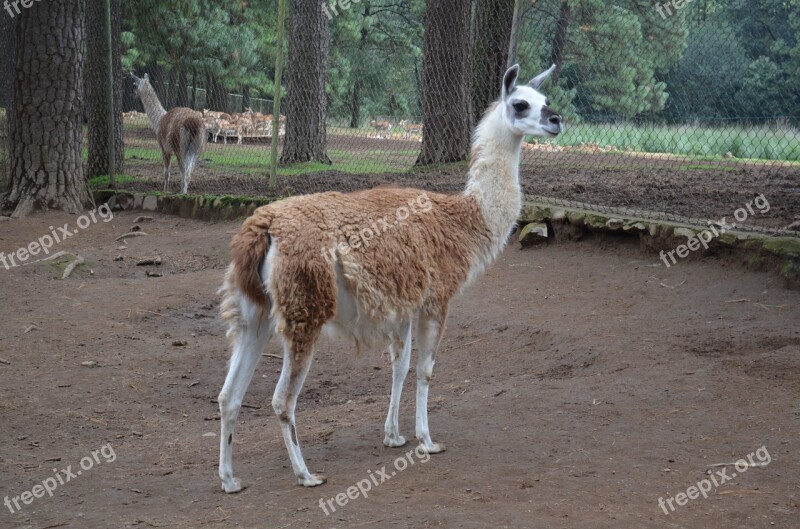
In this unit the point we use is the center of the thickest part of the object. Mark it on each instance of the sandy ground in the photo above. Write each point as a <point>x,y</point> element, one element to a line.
<point>576,385</point>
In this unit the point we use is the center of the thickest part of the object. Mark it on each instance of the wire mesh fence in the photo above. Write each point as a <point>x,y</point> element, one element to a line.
<point>681,114</point>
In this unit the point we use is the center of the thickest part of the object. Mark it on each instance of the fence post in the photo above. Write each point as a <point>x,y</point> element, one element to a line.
<point>112,143</point>
<point>276,107</point>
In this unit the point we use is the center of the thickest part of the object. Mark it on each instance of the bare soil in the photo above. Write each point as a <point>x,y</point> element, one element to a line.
<point>576,385</point>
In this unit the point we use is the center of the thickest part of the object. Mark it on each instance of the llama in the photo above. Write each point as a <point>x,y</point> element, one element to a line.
<point>181,131</point>
<point>299,267</point>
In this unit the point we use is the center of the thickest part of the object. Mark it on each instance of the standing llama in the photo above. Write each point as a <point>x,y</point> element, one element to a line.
<point>299,266</point>
<point>181,131</point>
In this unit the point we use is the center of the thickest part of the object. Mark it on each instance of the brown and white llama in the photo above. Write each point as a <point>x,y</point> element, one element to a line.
<point>181,132</point>
<point>301,266</point>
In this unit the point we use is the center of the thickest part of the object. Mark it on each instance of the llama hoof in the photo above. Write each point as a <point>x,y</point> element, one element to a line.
<point>232,486</point>
<point>433,448</point>
<point>394,442</point>
<point>312,480</point>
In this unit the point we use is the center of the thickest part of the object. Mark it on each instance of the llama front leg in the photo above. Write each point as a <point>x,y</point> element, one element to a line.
<point>167,158</point>
<point>296,364</point>
<point>429,333</point>
<point>247,348</point>
<point>401,360</point>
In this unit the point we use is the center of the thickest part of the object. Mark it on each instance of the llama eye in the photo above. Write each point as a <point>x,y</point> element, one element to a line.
<point>547,102</point>
<point>522,106</point>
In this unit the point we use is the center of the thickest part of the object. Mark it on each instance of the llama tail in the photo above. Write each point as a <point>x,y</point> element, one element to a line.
<point>249,249</point>
<point>193,142</point>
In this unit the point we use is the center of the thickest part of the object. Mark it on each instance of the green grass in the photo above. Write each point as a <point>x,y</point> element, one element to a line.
<point>102,182</point>
<point>752,143</point>
<point>256,161</point>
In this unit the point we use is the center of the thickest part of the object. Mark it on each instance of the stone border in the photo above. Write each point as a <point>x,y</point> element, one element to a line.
<point>200,207</point>
<point>757,251</point>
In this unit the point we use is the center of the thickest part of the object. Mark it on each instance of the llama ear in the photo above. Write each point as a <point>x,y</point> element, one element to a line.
<point>147,78</point>
<point>537,81</point>
<point>510,80</point>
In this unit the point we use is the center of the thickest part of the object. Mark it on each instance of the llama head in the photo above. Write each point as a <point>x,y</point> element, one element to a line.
<point>139,83</point>
<point>526,111</point>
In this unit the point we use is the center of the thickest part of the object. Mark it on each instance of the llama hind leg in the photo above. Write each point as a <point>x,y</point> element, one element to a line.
<point>167,162</point>
<point>401,360</point>
<point>296,363</point>
<point>248,345</point>
<point>429,333</point>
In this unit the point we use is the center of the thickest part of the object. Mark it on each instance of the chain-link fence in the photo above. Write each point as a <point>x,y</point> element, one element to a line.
<point>675,113</point>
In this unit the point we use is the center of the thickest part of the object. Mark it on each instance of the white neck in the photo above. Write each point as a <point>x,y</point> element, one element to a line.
<point>152,106</point>
<point>494,177</point>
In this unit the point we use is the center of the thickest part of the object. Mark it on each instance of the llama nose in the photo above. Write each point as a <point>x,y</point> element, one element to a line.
<point>555,119</point>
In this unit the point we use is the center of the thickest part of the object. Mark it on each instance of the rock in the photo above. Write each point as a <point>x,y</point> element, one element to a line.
<point>5,219</point>
<point>149,262</point>
<point>119,258</point>
<point>137,220</point>
<point>615,224</point>
<point>136,227</point>
<point>153,274</point>
<point>179,343</point>
<point>683,232</point>
<point>89,363</point>
<point>532,234</point>
<point>124,202</point>
<point>150,203</point>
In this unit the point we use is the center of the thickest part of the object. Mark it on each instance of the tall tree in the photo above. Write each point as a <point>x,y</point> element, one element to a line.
<point>9,43</point>
<point>96,82</point>
<point>445,83</point>
<point>306,100</point>
<point>46,165</point>
<point>493,23</point>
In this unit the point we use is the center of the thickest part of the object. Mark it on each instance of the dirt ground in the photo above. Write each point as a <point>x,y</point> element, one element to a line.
<point>576,385</point>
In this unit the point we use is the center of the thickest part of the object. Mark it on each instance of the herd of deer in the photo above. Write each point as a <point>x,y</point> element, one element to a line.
<point>384,128</point>
<point>246,124</point>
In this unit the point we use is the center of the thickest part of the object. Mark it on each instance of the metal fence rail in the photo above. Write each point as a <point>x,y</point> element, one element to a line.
<point>679,114</point>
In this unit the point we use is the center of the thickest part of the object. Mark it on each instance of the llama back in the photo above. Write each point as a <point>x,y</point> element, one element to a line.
<point>182,127</point>
<point>398,251</point>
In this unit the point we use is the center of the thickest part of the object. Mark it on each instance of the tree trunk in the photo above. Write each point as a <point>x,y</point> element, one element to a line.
<point>46,165</point>
<point>560,39</point>
<point>7,74</point>
<point>516,27</point>
<point>445,83</point>
<point>96,79</point>
<point>246,101</point>
<point>493,22</point>
<point>306,100</point>
<point>355,108</point>
<point>182,97</point>
<point>194,88</point>
<point>216,94</point>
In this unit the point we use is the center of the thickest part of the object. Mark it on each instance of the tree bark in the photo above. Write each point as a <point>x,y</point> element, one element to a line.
<point>8,72</point>
<point>355,103</point>
<point>246,100</point>
<point>306,100</point>
<point>182,97</point>
<point>96,79</point>
<point>493,23</point>
<point>216,94</point>
<point>46,165</point>
<point>560,39</point>
<point>445,83</point>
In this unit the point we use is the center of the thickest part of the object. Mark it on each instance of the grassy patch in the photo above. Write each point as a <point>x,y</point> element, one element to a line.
<point>102,181</point>
<point>750,143</point>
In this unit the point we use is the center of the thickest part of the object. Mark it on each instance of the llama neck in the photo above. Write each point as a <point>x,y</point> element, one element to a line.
<point>494,176</point>
<point>152,106</point>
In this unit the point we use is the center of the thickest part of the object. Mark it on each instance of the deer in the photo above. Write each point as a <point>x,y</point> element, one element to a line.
<point>181,131</point>
<point>381,127</point>
<point>303,266</point>
<point>411,129</point>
